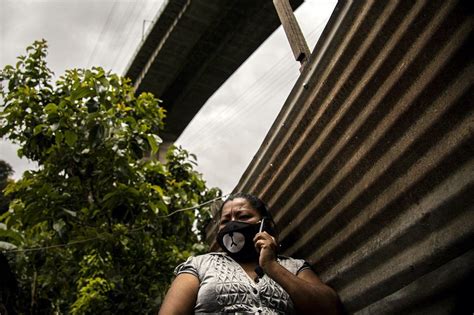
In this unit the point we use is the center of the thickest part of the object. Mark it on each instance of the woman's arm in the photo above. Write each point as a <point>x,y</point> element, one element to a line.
<point>308,293</point>
<point>181,296</point>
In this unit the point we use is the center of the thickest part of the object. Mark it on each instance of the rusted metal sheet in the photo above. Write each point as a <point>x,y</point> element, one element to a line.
<point>369,166</point>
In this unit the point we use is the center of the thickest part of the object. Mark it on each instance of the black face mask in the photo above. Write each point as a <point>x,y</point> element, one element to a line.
<point>236,238</point>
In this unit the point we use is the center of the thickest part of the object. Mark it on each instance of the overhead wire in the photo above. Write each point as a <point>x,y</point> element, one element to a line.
<point>262,91</point>
<point>225,127</point>
<point>102,32</point>
<point>118,29</point>
<point>135,26</point>
<point>233,127</point>
<point>267,83</point>
<point>209,135</point>
<point>252,96</point>
<point>268,76</point>
<point>22,250</point>
<point>271,71</point>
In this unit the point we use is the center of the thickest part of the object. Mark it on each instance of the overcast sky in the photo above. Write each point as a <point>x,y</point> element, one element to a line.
<point>226,133</point>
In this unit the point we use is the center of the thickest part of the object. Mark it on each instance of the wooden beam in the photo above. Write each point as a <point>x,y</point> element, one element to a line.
<point>293,31</point>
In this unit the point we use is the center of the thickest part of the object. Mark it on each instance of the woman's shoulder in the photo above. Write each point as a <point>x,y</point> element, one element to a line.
<point>206,258</point>
<point>200,263</point>
<point>210,255</point>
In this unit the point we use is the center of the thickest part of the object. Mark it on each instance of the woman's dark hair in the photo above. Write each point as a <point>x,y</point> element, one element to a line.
<point>258,205</point>
<point>254,201</point>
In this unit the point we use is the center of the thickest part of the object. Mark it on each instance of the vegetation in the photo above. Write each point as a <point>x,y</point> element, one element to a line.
<point>5,172</point>
<point>94,229</point>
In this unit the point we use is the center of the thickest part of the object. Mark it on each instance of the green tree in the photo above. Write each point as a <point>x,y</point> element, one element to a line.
<point>103,213</point>
<point>7,279</point>
<point>5,172</point>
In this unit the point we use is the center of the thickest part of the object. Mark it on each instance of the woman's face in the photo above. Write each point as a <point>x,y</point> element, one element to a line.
<point>238,209</point>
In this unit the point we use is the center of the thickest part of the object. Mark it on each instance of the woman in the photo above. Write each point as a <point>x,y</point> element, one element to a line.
<point>248,277</point>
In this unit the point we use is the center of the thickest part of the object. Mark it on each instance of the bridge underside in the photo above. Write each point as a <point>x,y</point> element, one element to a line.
<point>193,47</point>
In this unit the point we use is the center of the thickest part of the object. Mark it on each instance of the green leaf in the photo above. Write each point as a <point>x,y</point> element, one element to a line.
<point>110,195</point>
<point>59,226</point>
<point>6,233</point>
<point>59,136</point>
<point>158,189</point>
<point>152,143</point>
<point>81,92</point>
<point>70,137</point>
<point>71,213</point>
<point>158,207</point>
<point>96,135</point>
<point>7,246</point>
<point>51,108</point>
<point>38,129</point>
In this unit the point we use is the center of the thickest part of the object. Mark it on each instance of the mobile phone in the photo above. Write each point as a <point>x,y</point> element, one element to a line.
<point>261,225</point>
<point>258,269</point>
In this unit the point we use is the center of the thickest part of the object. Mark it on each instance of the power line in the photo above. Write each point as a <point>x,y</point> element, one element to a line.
<point>254,89</point>
<point>134,26</point>
<point>263,95</point>
<point>115,27</point>
<point>104,28</point>
<point>117,30</point>
<point>271,81</point>
<point>23,250</point>
<point>135,33</point>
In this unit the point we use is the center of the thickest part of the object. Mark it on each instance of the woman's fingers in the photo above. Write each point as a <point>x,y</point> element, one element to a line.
<point>258,245</point>
<point>264,239</point>
<point>267,247</point>
<point>265,236</point>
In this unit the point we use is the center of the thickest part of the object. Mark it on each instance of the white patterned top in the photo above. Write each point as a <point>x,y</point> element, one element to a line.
<point>226,288</point>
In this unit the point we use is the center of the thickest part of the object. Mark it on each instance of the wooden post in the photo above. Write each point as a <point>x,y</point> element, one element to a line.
<point>293,31</point>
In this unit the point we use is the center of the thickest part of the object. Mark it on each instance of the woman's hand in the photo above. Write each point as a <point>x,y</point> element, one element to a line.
<point>267,246</point>
<point>309,294</point>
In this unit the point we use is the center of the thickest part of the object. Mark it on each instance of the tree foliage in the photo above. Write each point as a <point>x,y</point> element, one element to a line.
<point>102,211</point>
<point>5,172</point>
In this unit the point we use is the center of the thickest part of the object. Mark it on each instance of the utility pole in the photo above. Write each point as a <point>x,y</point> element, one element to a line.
<point>293,31</point>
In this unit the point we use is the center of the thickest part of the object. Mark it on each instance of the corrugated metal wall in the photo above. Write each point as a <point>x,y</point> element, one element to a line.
<point>369,166</point>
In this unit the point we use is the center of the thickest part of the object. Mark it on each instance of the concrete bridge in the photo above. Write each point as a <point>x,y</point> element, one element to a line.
<point>193,47</point>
